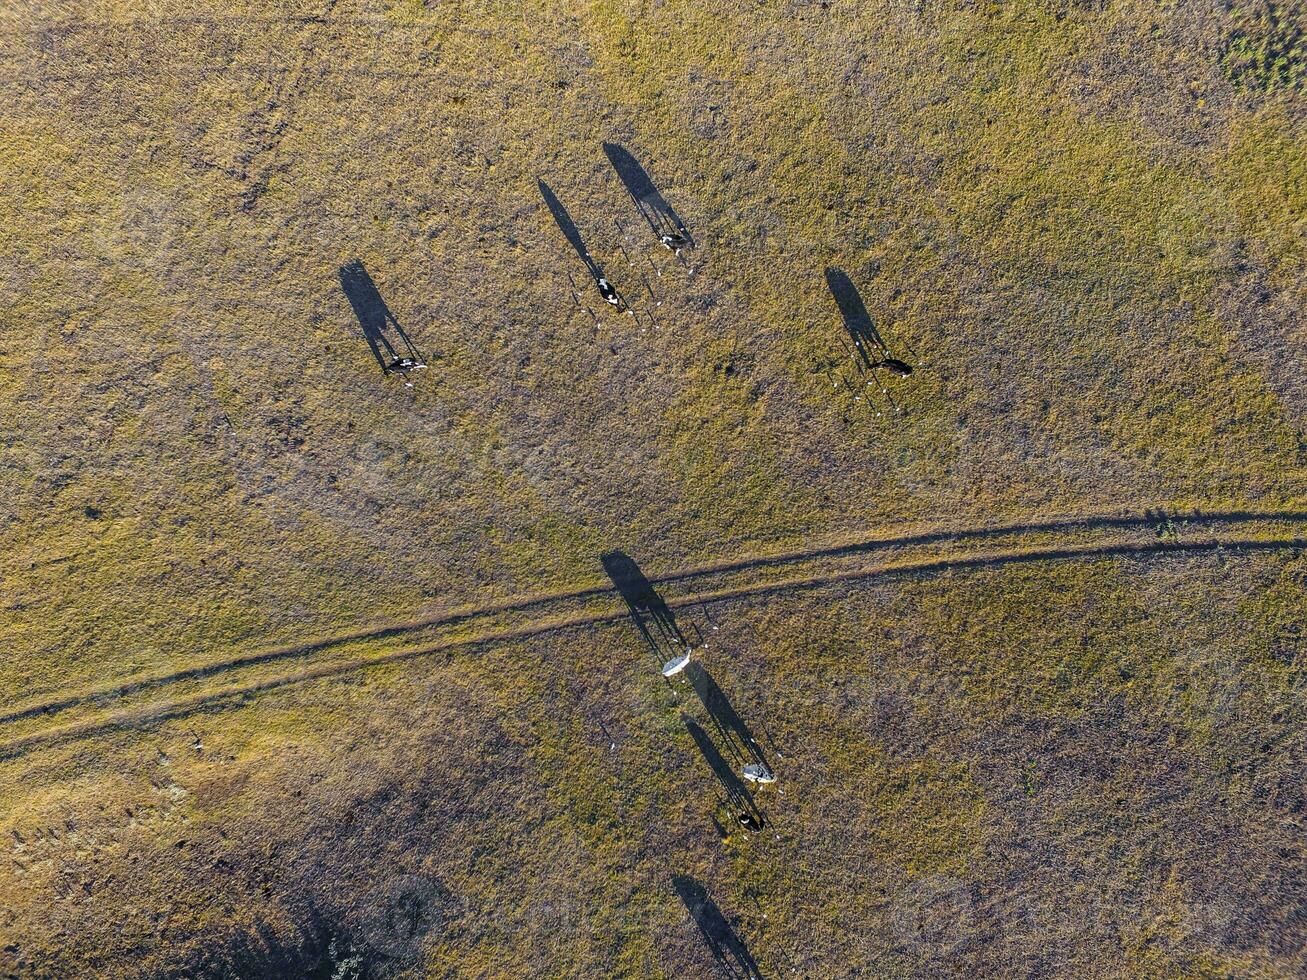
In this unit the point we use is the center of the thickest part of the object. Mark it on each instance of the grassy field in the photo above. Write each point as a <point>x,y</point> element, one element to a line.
<point>1085,222</point>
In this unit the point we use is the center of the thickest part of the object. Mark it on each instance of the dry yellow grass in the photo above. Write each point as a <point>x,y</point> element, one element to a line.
<point>1087,219</point>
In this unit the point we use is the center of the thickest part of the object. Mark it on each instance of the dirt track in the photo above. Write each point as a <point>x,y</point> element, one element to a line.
<point>150,700</point>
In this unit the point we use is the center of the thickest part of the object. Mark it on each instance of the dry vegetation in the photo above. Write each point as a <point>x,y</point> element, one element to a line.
<point>1088,218</point>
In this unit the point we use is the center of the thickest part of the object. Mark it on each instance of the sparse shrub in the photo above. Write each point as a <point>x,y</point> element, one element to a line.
<point>1167,530</point>
<point>348,965</point>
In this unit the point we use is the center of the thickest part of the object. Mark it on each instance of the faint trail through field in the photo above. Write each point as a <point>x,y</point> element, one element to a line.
<point>111,707</point>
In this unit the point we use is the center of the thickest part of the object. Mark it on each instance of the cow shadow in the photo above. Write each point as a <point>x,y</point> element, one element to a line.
<point>649,611</point>
<point>737,793</point>
<point>610,293</point>
<point>730,726</point>
<point>651,204</point>
<point>568,227</point>
<point>857,321</point>
<point>727,948</point>
<point>385,335</point>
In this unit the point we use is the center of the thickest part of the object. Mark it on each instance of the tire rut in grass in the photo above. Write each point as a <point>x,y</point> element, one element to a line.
<point>596,607</point>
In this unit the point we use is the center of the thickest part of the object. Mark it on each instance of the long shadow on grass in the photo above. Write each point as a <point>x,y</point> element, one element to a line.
<point>649,611</point>
<point>857,321</point>
<point>568,227</point>
<point>380,328</point>
<point>726,947</point>
<point>730,726</point>
<point>651,204</point>
<point>736,792</point>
